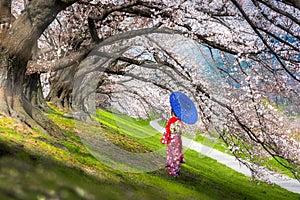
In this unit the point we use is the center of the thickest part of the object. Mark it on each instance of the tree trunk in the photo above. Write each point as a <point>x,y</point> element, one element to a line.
<point>61,85</point>
<point>14,84</point>
<point>20,93</point>
<point>33,91</point>
<point>63,78</point>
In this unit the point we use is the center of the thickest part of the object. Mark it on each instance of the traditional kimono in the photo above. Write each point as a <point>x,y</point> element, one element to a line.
<point>172,137</point>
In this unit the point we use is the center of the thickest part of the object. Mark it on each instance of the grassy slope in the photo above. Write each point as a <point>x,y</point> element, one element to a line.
<point>36,166</point>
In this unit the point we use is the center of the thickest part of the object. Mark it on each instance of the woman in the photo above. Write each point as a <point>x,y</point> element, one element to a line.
<point>172,137</point>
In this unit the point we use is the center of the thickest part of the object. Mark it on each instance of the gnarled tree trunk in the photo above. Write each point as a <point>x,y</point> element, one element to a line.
<point>20,93</point>
<point>61,83</point>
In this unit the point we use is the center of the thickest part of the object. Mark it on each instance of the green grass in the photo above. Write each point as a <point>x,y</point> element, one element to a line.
<point>121,119</point>
<point>212,140</point>
<point>37,166</point>
<point>140,130</point>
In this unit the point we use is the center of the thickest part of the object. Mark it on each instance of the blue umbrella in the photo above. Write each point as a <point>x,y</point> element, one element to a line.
<point>183,107</point>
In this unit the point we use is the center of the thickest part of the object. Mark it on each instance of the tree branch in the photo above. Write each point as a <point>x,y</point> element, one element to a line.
<point>263,40</point>
<point>20,41</point>
<point>295,3</point>
<point>59,64</point>
<point>93,31</point>
<point>282,12</point>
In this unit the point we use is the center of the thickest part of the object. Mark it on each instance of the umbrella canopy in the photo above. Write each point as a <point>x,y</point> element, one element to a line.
<point>183,107</point>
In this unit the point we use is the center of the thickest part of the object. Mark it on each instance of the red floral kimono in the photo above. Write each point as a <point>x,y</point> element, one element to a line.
<point>172,137</point>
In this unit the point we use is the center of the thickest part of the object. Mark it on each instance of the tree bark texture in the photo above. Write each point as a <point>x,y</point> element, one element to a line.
<point>61,83</point>
<point>20,92</point>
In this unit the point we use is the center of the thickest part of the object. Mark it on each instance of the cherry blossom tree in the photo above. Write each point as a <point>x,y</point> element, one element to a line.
<point>232,102</point>
<point>250,47</point>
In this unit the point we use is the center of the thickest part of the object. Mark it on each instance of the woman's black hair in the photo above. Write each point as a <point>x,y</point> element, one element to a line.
<point>172,111</point>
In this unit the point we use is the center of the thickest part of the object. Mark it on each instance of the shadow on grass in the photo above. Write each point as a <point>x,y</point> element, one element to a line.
<point>24,176</point>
